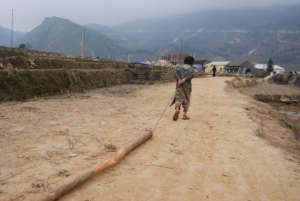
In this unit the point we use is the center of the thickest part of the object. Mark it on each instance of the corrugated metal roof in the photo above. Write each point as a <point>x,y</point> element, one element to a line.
<point>261,66</point>
<point>265,66</point>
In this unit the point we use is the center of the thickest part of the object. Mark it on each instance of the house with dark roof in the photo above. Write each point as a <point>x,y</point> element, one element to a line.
<point>245,68</point>
<point>234,67</point>
<point>248,69</point>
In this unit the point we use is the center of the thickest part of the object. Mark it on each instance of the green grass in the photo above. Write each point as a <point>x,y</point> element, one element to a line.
<point>285,124</point>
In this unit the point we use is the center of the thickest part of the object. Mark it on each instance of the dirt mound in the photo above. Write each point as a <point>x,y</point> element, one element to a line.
<point>238,82</point>
<point>286,78</point>
<point>266,91</point>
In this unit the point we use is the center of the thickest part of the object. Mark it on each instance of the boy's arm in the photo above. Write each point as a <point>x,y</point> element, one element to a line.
<point>190,76</point>
<point>178,77</point>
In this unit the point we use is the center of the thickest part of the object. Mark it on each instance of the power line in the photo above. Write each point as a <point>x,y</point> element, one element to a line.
<point>82,43</point>
<point>12,29</point>
<point>181,45</point>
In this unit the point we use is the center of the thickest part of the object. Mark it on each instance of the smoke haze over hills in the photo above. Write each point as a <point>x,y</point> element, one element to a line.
<point>30,13</point>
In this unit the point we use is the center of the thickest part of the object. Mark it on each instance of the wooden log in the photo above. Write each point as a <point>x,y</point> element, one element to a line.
<point>83,177</point>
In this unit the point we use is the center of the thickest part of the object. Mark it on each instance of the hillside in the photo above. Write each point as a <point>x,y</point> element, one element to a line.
<point>63,36</point>
<point>113,34</point>
<point>233,34</point>
<point>25,74</point>
<point>137,53</point>
<point>5,36</point>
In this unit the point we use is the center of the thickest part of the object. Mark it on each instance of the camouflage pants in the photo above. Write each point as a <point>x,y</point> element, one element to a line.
<point>182,97</point>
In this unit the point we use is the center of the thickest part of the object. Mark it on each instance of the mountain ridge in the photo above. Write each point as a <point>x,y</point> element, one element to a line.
<point>233,34</point>
<point>60,35</point>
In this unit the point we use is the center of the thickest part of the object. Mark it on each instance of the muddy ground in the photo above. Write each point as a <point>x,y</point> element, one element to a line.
<point>225,152</point>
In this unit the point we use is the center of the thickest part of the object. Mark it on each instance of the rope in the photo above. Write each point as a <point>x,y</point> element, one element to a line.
<point>160,118</point>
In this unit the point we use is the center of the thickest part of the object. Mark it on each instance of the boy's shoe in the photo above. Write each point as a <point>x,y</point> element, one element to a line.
<point>175,116</point>
<point>185,117</point>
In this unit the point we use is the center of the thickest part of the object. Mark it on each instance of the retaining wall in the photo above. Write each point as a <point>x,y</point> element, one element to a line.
<point>27,74</point>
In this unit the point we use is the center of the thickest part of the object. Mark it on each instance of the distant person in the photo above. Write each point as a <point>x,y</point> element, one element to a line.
<point>214,69</point>
<point>183,75</point>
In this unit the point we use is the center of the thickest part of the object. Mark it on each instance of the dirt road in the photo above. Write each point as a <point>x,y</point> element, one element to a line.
<point>216,155</point>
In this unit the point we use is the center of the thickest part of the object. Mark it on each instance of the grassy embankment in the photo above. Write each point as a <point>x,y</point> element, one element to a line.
<point>25,84</point>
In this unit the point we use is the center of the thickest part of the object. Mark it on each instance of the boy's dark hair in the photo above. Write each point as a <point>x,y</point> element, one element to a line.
<point>189,60</point>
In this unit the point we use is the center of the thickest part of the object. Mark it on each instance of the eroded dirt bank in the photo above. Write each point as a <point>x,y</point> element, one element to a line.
<point>219,154</point>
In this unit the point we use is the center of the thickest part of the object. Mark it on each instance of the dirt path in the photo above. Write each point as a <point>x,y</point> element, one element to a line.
<point>214,156</point>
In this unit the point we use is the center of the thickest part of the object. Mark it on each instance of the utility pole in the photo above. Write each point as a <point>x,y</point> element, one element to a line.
<point>82,44</point>
<point>12,29</point>
<point>181,45</point>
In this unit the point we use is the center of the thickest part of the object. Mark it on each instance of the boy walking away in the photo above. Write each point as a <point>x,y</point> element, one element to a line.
<point>183,75</point>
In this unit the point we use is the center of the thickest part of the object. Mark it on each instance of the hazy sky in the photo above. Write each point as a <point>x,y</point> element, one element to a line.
<point>30,13</point>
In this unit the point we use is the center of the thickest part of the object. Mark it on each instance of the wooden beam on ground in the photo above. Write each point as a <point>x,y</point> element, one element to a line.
<point>83,177</point>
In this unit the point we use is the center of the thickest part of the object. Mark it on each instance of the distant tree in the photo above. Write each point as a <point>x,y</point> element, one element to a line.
<point>24,46</point>
<point>270,67</point>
